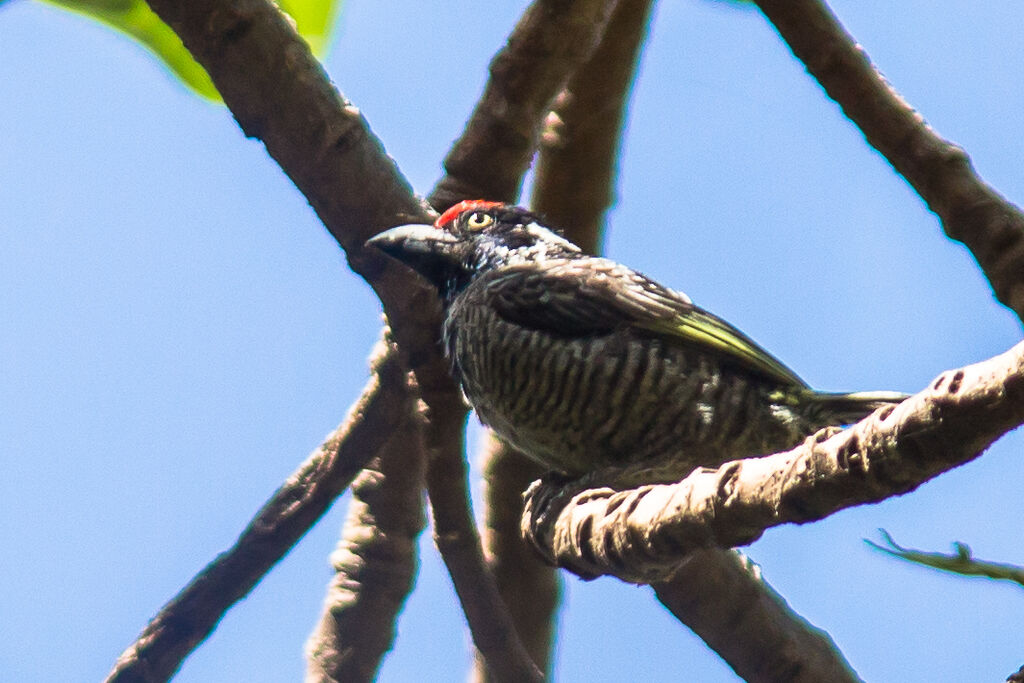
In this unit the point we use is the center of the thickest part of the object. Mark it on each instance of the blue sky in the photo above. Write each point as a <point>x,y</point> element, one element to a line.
<point>180,331</point>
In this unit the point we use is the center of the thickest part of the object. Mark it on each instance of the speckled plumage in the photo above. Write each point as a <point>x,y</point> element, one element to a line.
<point>583,363</point>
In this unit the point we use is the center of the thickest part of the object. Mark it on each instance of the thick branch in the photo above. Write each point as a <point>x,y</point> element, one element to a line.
<point>550,41</point>
<point>278,93</point>
<point>192,614</point>
<point>971,211</point>
<point>721,595</point>
<point>516,568</point>
<point>641,534</point>
<point>375,564</point>
<point>456,537</point>
<point>574,166</point>
<point>718,594</point>
<point>575,177</point>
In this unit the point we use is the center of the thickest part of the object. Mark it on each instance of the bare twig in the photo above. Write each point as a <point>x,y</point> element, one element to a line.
<point>375,564</point>
<point>490,158</point>
<point>721,595</point>
<point>959,561</point>
<point>192,614</point>
<point>641,534</point>
<point>971,211</point>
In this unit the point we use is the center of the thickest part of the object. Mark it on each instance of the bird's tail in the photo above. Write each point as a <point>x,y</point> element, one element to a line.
<point>849,408</point>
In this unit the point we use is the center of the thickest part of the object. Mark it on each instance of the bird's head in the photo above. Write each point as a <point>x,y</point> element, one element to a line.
<point>472,238</point>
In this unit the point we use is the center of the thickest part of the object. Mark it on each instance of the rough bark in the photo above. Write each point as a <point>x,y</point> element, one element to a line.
<point>721,595</point>
<point>642,534</point>
<point>375,564</point>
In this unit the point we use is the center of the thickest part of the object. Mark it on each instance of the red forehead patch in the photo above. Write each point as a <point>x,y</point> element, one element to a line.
<point>463,206</point>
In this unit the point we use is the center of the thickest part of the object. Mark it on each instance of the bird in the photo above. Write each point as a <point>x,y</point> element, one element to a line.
<point>587,365</point>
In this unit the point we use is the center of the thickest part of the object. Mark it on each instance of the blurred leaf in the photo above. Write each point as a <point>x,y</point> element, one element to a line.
<point>135,18</point>
<point>959,562</point>
<point>313,20</point>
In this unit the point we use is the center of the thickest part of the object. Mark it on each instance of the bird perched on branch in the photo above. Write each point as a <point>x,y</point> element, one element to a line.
<point>583,363</point>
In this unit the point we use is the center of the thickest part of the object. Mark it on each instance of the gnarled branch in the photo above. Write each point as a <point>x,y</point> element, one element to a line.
<point>642,534</point>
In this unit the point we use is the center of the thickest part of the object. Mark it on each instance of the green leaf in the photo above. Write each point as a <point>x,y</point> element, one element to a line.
<point>135,18</point>
<point>313,20</point>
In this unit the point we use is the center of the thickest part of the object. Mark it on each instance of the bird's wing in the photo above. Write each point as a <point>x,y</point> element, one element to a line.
<point>577,297</point>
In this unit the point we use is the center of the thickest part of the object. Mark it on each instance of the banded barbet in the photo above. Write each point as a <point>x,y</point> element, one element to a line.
<point>583,363</point>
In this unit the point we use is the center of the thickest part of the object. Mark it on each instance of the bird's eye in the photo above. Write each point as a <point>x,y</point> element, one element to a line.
<point>479,220</point>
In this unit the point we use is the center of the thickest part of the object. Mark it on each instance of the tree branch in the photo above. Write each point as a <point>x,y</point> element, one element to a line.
<point>971,211</point>
<point>575,177</point>
<point>723,599</point>
<point>516,568</point>
<point>641,534</point>
<point>375,564</point>
<point>574,166</point>
<point>551,40</point>
<point>278,92</point>
<point>456,537</point>
<point>191,615</point>
<point>959,561</point>
<point>721,595</point>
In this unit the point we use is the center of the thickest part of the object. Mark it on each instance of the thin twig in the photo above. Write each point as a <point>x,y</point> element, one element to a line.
<point>375,564</point>
<point>960,561</point>
<point>192,614</point>
<point>972,212</point>
<point>721,595</point>
<point>642,534</point>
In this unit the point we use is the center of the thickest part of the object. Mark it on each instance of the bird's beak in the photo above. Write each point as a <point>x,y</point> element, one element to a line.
<point>426,249</point>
